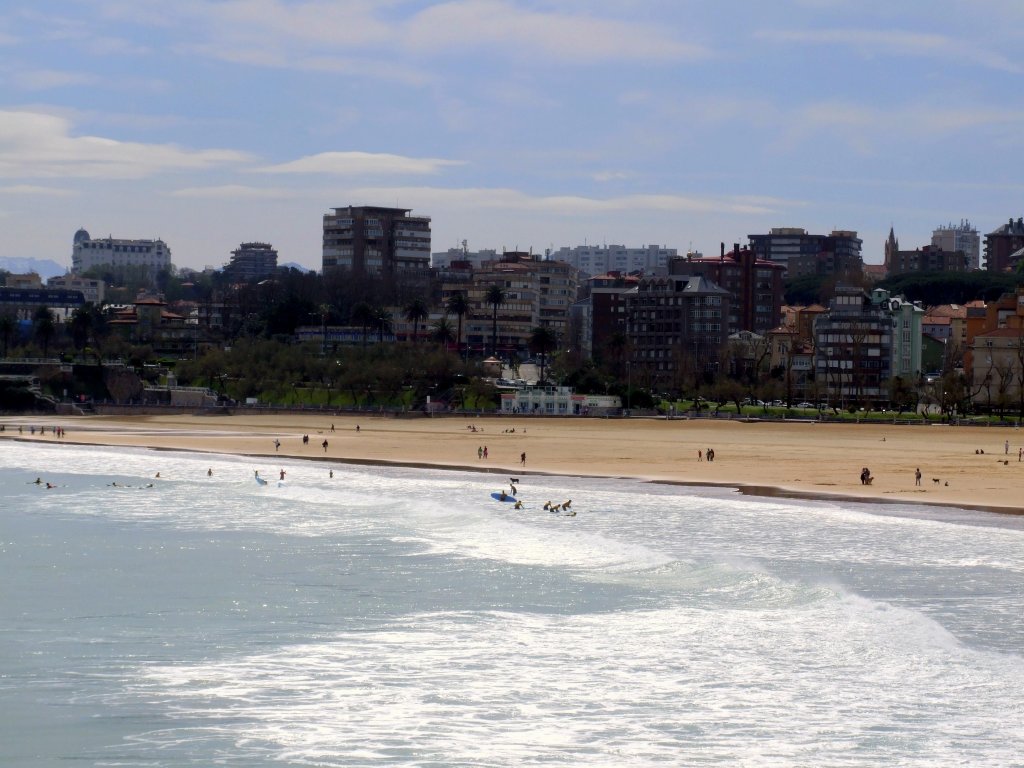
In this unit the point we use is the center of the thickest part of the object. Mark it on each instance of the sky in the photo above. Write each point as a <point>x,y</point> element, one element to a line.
<point>513,124</point>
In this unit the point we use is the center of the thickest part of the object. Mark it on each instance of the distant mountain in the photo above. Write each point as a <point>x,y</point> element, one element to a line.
<point>293,265</point>
<point>45,268</point>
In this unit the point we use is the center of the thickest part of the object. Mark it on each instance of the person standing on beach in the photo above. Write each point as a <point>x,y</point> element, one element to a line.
<point>485,451</point>
<point>1006,448</point>
<point>480,452</point>
<point>522,459</point>
<point>917,476</point>
<point>277,444</point>
<point>700,455</point>
<point>325,445</point>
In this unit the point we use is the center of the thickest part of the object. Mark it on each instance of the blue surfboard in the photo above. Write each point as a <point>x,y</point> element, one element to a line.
<point>508,497</point>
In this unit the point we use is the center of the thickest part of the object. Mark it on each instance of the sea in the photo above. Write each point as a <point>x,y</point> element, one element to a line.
<point>391,616</point>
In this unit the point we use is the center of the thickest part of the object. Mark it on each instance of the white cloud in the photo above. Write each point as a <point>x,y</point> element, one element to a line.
<point>566,205</point>
<point>310,33</point>
<point>895,42</point>
<point>30,189</point>
<point>45,79</point>
<point>235,192</point>
<point>504,27</point>
<point>603,176</point>
<point>35,145</point>
<point>361,163</point>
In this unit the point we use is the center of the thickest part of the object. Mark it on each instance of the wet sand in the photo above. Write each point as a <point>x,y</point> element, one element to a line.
<point>802,459</point>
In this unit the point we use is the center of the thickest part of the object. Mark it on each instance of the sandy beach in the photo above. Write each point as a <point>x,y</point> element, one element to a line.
<point>961,466</point>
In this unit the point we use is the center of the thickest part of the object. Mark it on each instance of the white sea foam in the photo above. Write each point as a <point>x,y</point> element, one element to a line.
<point>843,681</point>
<point>392,616</point>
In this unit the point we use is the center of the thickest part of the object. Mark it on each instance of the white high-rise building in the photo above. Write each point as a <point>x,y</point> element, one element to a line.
<point>602,259</point>
<point>87,253</point>
<point>962,237</point>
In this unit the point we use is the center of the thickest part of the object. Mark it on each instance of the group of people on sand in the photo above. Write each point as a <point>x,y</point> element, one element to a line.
<point>709,453</point>
<point>55,431</point>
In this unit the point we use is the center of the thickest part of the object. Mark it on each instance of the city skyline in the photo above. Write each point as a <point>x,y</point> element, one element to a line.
<point>511,124</point>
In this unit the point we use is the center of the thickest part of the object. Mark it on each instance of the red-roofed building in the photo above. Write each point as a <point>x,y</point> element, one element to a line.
<point>755,286</point>
<point>148,321</point>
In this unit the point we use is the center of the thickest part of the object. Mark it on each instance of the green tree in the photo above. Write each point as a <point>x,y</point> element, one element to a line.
<point>495,296</point>
<point>416,312</point>
<point>45,326</point>
<point>362,313</point>
<point>458,305</point>
<point>542,341</point>
<point>383,322</point>
<point>443,333</point>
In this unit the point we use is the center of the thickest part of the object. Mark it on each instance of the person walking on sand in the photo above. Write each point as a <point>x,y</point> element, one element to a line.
<point>700,455</point>
<point>480,452</point>
<point>522,459</point>
<point>325,445</point>
<point>917,476</point>
<point>277,444</point>
<point>1006,448</point>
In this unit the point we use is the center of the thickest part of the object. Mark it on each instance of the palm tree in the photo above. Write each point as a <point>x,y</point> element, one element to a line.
<point>382,321</point>
<point>80,325</point>
<point>7,326</point>
<point>458,305</point>
<point>416,312</point>
<point>443,333</point>
<point>542,341</point>
<point>495,297</point>
<point>45,327</point>
<point>362,313</point>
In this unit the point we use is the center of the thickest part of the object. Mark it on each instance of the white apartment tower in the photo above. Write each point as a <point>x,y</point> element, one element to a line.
<point>601,259</point>
<point>962,237</point>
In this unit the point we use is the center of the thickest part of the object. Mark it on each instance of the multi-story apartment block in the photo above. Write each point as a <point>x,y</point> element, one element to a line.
<point>92,288</point>
<point>115,253</point>
<point>802,253</point>
<point>755,286</point>
<point>537,293</point>
<point>386,242</point>
<point>604,317</point>
<point>907,322</point>
<point>962,237</point>
<point>1003,247</point>
<point>602,259</point>
<point>677,326</point>
<point>252,261</point>
<point>862,342</point>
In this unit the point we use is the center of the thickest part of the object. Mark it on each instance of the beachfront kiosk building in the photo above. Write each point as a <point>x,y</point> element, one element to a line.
<point>557,401</point>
